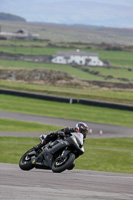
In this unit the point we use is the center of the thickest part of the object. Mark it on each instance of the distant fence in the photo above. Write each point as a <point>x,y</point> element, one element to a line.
<point>67,100</point>
<point>106,104</point>
<point>38,96</point>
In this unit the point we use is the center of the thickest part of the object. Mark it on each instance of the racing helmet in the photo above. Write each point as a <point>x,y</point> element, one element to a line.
<point>82,128</point>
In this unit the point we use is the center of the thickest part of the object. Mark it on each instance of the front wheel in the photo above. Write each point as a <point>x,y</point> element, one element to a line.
<point>25,162</point>
<point>60,165</point>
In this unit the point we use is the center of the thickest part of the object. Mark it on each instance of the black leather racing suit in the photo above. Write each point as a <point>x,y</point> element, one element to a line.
<point>53,136</point>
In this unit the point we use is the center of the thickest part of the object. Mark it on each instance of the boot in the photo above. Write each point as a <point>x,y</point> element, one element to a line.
<point>72,166</point>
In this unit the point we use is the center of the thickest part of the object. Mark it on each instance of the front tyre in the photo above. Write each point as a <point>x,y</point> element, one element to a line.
<point>25,162</point>
<point>61,165</point>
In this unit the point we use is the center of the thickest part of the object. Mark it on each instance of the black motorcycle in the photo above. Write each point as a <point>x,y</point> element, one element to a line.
<point>57,155</point>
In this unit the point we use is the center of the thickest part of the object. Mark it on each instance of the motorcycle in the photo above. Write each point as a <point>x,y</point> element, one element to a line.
<point>57,155</point>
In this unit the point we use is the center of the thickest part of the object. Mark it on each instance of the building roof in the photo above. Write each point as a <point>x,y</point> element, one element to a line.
<point>22,31</point>
<point>75,53</point>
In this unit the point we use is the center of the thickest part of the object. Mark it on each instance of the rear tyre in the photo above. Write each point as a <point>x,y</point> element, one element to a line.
<point>25,162</point>
<point>59,165</point>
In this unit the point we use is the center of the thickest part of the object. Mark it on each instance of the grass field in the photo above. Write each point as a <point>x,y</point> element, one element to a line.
<point>116,58</point>
<point>25,43</point>
<point>116,73</point>
<point>112,155</point>
<point>111,159</point>
<point>66,111</point>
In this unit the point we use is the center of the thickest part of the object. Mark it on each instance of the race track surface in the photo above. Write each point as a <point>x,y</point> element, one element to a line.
<point>108,130</point>
<point>16,184</point>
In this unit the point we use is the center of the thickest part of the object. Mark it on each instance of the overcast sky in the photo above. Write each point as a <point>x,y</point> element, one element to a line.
<point>109,13</point>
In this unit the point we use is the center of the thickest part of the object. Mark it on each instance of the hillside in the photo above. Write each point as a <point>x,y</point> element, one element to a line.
<point>75,34</point>
<point>10,17</point>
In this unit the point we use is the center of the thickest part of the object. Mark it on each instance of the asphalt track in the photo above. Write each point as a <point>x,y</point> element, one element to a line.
<point>16,184</point>
<point>108,130</point>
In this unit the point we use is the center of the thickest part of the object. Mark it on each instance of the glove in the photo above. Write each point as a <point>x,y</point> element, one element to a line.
<point>61,134</point>
<point>69,130</point>
<point>52,136</point>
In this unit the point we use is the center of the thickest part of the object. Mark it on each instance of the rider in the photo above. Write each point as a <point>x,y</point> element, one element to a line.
<point>80,127</point>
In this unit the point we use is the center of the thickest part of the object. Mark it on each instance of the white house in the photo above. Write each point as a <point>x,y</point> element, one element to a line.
<point>78,57</point>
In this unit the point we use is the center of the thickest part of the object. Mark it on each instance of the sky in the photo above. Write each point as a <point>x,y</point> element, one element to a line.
<point>108,13</point>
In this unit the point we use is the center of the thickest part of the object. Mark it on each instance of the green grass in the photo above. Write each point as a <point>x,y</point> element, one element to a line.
<point>12,148</point>
<point>30,50</point>
<point>114,143</point>
<point>66,111</point>
<point>25,43</point>
<point>106,160</point>
<point>110,160</point>
<point>110,155</point>
<point>23,126</point>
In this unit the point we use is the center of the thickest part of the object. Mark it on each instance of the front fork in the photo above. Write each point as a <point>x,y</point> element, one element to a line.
<point>65,153</point>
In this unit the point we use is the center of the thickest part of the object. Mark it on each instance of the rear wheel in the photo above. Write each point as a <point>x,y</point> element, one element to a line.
<point>25,162</point>
<point>60,164</point>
